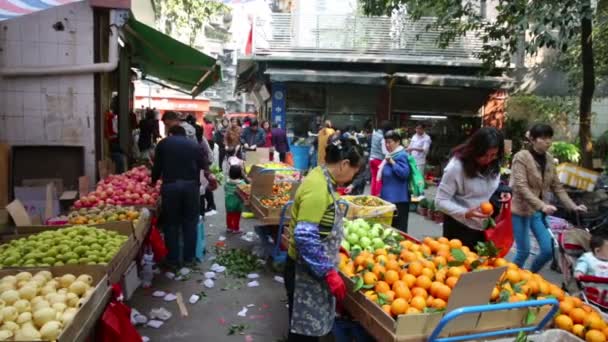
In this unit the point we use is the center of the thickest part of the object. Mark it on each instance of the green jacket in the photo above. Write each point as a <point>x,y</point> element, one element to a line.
<point>233,201</point>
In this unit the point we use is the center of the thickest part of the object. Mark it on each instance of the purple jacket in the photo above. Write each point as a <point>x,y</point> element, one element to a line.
<point>279,140</point>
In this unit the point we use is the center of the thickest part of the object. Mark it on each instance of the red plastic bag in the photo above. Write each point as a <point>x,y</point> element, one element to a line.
<point>289,158</point>
<point>156,242</point>
<point>115,323</point>
<point>502,233</point>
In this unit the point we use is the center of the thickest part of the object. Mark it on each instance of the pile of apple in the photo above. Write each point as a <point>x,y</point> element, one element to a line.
<point>361,235</point>
<point>130,188</point>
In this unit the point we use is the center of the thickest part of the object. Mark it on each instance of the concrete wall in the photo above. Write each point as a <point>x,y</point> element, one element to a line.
<point>56,110</point>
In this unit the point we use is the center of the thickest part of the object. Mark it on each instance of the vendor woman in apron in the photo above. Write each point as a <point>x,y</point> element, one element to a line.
<point>311,280</point>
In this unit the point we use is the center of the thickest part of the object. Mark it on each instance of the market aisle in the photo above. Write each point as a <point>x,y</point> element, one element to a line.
<point>211,318</point>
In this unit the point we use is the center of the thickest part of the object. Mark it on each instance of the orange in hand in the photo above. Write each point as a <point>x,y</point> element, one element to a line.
<point>486,208</point>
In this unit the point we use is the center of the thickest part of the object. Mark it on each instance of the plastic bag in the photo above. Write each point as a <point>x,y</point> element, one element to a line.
<point>157,244</point>
<point>416,182</point>
<point>502,234</point>
<point>200,241</point>
<point>115,323</point>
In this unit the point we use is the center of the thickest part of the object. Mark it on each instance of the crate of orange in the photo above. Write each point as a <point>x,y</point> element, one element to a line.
<point>401,294</point>
<point>371,208</point>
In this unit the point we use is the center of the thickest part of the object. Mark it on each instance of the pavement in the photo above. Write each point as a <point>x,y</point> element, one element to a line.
<point>211,318</point>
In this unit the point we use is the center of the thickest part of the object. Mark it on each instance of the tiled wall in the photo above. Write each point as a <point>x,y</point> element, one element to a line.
<point>53,110</point>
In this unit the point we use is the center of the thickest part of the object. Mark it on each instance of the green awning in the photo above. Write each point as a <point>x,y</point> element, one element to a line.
<point>162,57</point>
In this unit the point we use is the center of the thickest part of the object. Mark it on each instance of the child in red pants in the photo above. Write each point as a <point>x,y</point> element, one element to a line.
<point>234,204</point>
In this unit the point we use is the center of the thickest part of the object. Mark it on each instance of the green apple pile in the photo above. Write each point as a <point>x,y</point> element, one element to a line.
<point>77,245</point>
<point>360,235</point>
<point>37,307</point>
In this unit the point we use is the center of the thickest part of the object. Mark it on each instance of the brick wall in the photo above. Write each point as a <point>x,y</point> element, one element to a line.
<point>55,110</point>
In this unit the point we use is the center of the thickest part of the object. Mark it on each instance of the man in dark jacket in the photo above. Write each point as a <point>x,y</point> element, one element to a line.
<point>279,141</point>
<point>178,162</point>
<point>253,137</point>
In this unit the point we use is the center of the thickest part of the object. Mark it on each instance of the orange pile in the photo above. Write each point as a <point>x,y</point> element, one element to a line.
<point>418,280</point>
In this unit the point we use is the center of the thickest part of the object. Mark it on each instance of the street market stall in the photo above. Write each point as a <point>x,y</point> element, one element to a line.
<point>402,289</point>
<point>74,265</point>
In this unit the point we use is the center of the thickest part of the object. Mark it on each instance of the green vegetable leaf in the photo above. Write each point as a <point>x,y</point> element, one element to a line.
<point>382,299</point>
<point>459,255</point>
<point>358,284</point>
<point>530,317</point>
<point>504,296</point>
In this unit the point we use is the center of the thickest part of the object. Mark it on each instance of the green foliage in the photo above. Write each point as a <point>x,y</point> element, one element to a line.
<point>565,152</point>
<point>570,61</point>
<point>177,17</point>
<point>551,24</point>
<point>547,23</point>
<point>522,110</point>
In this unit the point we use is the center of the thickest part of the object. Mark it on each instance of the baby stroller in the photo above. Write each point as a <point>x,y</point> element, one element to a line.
<point>572,244</point>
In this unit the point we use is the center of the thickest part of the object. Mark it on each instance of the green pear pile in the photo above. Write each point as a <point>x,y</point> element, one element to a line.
<point>38,307</point>
<point>77,245</point>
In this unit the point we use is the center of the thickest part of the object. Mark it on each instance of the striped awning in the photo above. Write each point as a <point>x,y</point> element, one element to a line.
<point>14,8</point>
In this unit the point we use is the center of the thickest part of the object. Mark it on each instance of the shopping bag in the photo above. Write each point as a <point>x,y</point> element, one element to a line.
<point>289,158</point>
<point>502,233</point>
<point>200,241</point>
<point>156,242</point>
<point>115,323</point>
<point>416,182</point>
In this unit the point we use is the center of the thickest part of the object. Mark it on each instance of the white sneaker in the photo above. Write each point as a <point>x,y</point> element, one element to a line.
<point>210,213</point>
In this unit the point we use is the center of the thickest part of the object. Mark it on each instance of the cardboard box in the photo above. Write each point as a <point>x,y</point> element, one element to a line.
<point>18,213</point>
<point>39,182</point>
<point>130,281</point>
<point>40,202</point>
<point>4,174</point>
<point>473,288</point>
<point>260,155</point>
<point>88,314</point>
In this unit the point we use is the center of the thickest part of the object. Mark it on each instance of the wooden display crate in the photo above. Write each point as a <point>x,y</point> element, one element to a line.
<point>473,288</point>
<point>262,217</point>
<point>116,266</point>
<point>269,212</point>
<point>87,315</point>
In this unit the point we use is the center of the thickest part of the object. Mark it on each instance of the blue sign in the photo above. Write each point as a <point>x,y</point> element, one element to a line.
<point>278,104</point>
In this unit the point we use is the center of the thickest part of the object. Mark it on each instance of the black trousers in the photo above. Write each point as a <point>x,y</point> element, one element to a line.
<point>289,275</point>
<point>222,155</point>
<point>207,202</point>
<point>453,229</point>
<point>179,210</point>
<point>400,219</point>
<point>282,156</point>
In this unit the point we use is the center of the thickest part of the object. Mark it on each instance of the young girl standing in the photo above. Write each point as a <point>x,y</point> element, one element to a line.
<point>234,204</point>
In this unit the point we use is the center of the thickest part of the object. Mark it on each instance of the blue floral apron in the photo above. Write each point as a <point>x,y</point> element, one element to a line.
<point>314,307</point>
